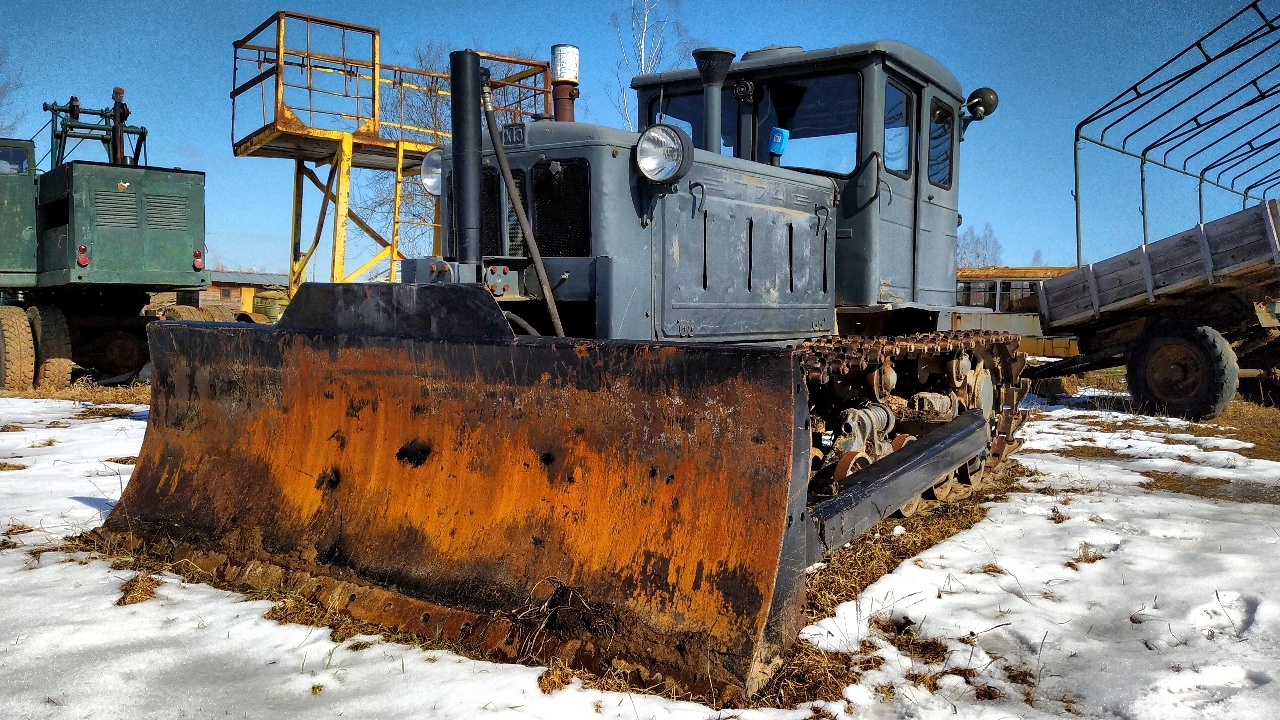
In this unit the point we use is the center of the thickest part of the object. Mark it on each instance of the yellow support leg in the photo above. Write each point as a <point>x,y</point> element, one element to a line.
<point>395,214</point>
<point>343,165</point>
<point>297,264</point>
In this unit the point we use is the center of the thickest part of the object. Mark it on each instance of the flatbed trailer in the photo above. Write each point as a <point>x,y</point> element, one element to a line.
<point>1189,315</point>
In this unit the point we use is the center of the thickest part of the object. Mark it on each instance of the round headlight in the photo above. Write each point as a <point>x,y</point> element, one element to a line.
<point>432,172</point>
<point>664,153</point>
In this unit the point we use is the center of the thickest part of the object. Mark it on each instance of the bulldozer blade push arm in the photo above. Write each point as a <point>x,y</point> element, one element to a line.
<point>618,505</point>
<point>887,484</point>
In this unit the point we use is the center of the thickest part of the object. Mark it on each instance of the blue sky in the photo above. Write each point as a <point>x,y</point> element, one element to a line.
<point>1051,62</point>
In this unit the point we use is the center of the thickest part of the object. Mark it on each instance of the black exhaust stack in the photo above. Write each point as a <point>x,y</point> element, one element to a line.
<point>713,66</point>
<point>464,107</point>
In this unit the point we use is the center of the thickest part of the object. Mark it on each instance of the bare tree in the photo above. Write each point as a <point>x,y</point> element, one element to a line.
<point>9,85</point>
<point>1037,259</point>
<point>974,250</point>
<point>650,40</point>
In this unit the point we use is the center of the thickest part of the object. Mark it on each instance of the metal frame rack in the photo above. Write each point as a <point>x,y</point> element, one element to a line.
<point>317,91</point>
<point>1211,113</point>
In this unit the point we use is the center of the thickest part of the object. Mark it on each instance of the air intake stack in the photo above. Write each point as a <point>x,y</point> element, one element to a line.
<point>713,66</point>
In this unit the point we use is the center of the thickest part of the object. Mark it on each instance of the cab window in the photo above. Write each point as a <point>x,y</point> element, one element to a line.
<point>13,161</point>
<point>897,129</point>
<point>1019,296</point>
<point>685,112</point>
<point>941,144</point>
<point>822,115</point>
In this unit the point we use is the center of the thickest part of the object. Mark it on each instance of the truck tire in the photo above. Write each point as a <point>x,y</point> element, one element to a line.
<point>17,356</point>
<point>53,347</point>
<point>1183,371</point>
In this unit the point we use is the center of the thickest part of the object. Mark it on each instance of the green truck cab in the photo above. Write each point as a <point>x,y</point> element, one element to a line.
<point>83,244</point>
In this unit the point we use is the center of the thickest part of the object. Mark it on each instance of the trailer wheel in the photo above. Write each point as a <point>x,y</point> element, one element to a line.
<point>53,347</point>
<point>17,356</point>
<point>1184,371</point>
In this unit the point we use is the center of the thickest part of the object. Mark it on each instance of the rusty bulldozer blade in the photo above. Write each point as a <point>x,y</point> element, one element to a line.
<point>395,453</point>
<point>613,504</point>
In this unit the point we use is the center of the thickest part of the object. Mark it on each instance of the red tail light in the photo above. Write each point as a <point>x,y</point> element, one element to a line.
<point>82,260</point>
<point>198,264</point>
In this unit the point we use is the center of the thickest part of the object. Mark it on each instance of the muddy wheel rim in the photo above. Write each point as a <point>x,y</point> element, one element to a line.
<point>1174,373</point>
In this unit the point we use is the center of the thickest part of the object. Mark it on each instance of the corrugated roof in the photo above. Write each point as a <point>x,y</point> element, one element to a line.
<point>232,277</point>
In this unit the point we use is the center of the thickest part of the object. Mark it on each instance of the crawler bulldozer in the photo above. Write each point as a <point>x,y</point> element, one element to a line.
<point>653,378</point>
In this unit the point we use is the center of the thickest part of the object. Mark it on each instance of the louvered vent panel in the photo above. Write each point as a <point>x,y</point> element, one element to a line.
<point>116,209</point>
<point>167,212</point>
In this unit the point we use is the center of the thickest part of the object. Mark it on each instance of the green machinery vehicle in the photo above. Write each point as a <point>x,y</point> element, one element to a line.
<point>84,243</point>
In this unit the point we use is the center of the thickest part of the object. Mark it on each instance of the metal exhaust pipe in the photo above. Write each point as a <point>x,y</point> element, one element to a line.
<point>464,106</point>
<point>713,66</point>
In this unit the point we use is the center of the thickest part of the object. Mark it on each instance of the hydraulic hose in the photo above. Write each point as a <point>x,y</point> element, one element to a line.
<point>519,322</point>
<point>513,193</point>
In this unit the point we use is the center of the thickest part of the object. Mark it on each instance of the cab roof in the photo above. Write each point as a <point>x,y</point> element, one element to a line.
<point>776,57</point>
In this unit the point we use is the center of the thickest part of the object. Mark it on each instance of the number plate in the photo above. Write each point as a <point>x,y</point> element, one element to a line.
<point>513,136</point>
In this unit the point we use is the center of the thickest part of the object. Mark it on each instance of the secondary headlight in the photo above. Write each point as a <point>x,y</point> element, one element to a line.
<point>664,153</point>
<point>432,173</point>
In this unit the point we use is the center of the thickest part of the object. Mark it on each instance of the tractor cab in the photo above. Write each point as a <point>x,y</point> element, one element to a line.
<point>881,119</point>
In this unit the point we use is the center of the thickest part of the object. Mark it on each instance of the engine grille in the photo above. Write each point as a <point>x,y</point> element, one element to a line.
<point>562,207</point>
<point>116,209</point>
<point>167,212</point>
<point>560,212</point>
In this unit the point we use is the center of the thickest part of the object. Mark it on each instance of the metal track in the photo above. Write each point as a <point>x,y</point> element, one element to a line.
<point>828,359</point>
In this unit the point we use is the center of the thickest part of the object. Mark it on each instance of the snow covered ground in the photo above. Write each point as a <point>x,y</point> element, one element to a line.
<point>1178,614</point>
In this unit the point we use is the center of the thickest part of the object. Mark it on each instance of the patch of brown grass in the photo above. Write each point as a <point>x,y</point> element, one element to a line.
<point>124,460</point>
<point>990,569</point>
<point>1058,517</point>
<point>87,391</point>
<point>1111,380</point>
<point>1087,554</point>
<point>557,675</point>
<point>10,427</point>
<point>1021,675</point>
<point>7,544</point>
<point>809,674</point>
<point>17,529</point>
<point>1246,421</point>
<point>6,466</point>
<point>884,692</point>
<point>1087,452</point>
<point>359,645</point>
<point>104,411</point>
<point>57,424</point>
<point>1211,488</point>
<point>139,588</point>
<point>47,442</point>
<point>987,692</point>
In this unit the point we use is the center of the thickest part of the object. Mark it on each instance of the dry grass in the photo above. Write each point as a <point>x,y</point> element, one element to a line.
<point>558,675</point>
<point>990,569</point>
<point>47,442</point>
<point>104,411</point>
<point>1058,517</point>
<point>1087,554</point>
<point>86,391</point>
<point>17,529</point>
<point>57,424</point>
<point>1211,488</point>
<point>7,466</point>
<point>809,674</point>
<point>1111,380</point>
<point>1248,422</point>
<point>10,427</point>
<point>7,544</point>
<point>987,692</point>
<point>139,588</point>
<point>359,645</point>
<point>123,460</point>
<point>1090,452</point>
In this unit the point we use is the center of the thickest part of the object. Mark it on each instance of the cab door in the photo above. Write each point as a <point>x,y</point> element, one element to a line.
<point>937,192</point>
<point>898,183</point>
